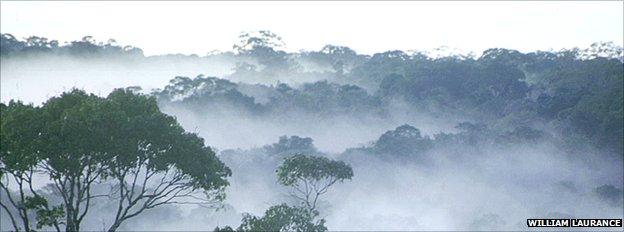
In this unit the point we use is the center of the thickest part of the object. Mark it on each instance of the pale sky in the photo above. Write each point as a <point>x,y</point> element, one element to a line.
<point>367,27</point>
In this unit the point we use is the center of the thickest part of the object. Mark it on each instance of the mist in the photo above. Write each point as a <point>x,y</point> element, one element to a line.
<point>36,78</point>
<point>436,143</point>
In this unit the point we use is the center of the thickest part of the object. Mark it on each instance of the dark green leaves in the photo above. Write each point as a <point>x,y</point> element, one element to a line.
<point>77,139</point>
<point>19,133</point>
<point>404,141</point>
<point>46,215</point>
<point>283,218</point>
<point>315,168</point>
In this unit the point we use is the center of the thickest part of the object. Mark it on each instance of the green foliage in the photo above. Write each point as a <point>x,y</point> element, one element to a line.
<point>283,218</point>
<point>138,131</point>
<point>290,145</point>
<point>258,39</point>
<point>19,137</point>
<point>77,139</point>
<point>586,98</point>
<point>224,229</point>
<point>576,92</point>
<point>340,58</point>
<point>406,144</point>
<point>313,168</point>
<point>261,46</point>
<point>311,176</point>
<point>404,141</point>
<point>87,47</point>
<point>323,98</point>
<point>208,93</point>
<point>46,215</point>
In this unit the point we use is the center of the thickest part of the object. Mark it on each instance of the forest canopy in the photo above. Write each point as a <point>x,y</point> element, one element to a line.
<point>292,125</point>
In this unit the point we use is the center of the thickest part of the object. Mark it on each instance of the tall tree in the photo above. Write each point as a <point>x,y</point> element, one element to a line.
<point>151,147</point>
<point>19,159</point>
<point>122,140</point>
<point>311,176</point>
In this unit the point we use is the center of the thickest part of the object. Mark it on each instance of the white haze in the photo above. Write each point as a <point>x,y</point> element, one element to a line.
<point>455,191</point>
<point>458,190</point>
<point>335,134</point>
<point>35,79</point>
<point>195,27</point>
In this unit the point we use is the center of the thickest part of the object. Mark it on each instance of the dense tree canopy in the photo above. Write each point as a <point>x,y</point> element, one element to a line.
<point>573,92</point>
<point>291,145</point>
<point>576,91</point>
<point>283,218</point>
<point>571,99</point>
<point>77,139</point>
<point>405,140</point>
<point>86,47</point>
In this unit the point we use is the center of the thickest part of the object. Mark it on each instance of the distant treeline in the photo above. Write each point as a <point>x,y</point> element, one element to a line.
<point>579,99</point>
<point>87,46</point>
<point>575,92</point>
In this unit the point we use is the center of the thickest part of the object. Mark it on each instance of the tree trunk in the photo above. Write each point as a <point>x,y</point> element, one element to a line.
<point>114,227</point>
<point>71,224</point>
